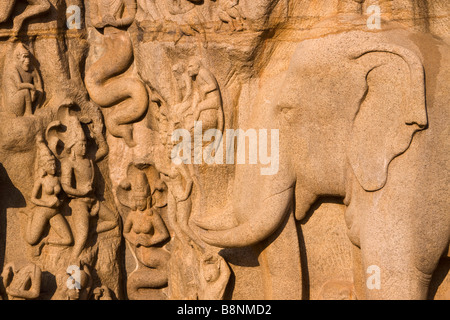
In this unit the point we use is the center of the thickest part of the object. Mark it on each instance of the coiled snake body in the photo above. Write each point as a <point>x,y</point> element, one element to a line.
<point>108,86</point>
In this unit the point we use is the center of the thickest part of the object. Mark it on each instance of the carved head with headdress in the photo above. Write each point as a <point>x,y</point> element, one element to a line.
<point>141,192</point>
<point>45,159</point>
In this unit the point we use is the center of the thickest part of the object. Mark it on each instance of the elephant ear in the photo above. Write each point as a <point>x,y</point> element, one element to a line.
<point>391,110</point>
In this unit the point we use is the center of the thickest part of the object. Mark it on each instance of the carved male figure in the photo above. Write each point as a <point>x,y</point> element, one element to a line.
<point>22,84</point>
<point>231,13</point>
<point>77,177</point>
<point>146,232</point>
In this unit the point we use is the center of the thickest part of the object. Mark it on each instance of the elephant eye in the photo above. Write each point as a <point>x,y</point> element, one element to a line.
<point>285,110</point>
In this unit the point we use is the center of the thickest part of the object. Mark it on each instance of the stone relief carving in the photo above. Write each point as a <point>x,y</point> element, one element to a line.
<point>126,95</point>
<point>22,84</point>
<point>94,205</point>
<point>22,284</point>
<point>34,8</point>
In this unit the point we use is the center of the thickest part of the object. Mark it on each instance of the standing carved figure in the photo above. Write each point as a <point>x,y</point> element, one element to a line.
<point>105,80</point>
<point>34,8</point>
<point>77,178</point>
<point>180,182</point>
<point>22,85</point>
<point>45,197</point>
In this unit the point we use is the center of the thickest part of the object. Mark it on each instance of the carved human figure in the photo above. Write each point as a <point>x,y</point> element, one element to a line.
<point>180,181</point>
<point>45,197</point>
<point>230,12</point>
<point>106,85</point>
<point>77,178</point>
<point>192,21</point>
<point>214,277</point>
<point>22,84</point>
<point>67,140</point>
<point>183,84</point>
<point>22,284</point>
<point>145,230</point>
<point>102,293</point>
<point>207,99</point>
<point>34,8</point>
<point>75,285</point>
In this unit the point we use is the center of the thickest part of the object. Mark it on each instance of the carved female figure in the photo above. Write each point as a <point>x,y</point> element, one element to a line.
<point>231,13</point>
<point>145,231</point>
<point>45,196</point>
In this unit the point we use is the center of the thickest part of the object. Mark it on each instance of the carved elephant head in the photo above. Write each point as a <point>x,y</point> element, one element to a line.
<point>348,104</point>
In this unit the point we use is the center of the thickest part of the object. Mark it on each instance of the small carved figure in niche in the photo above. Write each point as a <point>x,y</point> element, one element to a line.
<point>73,286</point>
<point>45,197</point>
<point>179,181</point>
<point>214,277</point>
<point>23,284</point>
<point>105,82</point>
<point>145,230</point>
<point>77,178</point>
<point>192,21</point>
<point>102,293</point>
<point>230,12</point>
<point>207,105</point>
<point>34,8</point>
<point>144,226</point>
<point>22,84</point>
<point>183,85</point>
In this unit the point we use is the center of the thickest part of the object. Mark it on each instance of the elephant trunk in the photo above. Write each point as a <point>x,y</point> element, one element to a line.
<point>256,228</point>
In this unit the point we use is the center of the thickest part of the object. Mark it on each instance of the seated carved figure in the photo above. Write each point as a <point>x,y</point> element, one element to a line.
<point>34,8</point>
<point>22,85</point>
<point>230,12</point>
<point>202,100</point>
<point>145,230</point>
<point>22,284</point>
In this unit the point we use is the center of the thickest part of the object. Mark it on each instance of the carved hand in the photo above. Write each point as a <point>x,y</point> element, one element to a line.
<point>27,86</point>
<point>109,20</point>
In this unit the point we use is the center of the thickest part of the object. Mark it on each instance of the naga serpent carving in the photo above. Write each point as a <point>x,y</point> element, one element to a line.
<point>105,80</point>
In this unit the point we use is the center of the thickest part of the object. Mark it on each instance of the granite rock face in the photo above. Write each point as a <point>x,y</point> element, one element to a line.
<point>224,149</point>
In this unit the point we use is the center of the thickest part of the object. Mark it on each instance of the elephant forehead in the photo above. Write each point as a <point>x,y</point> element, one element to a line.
<point>337,48</point>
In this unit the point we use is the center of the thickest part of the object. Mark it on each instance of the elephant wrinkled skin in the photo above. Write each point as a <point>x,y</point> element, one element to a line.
<point>358,119</point>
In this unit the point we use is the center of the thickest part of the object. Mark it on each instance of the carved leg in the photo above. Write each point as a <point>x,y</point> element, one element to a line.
<point>62,229</point>
<point>80,218</point>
